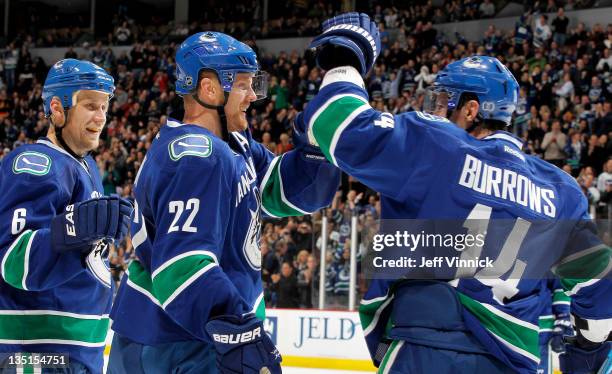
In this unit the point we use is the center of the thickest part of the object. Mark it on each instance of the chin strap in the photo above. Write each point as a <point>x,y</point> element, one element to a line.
<point>220,111</point>
<point>60,138</point>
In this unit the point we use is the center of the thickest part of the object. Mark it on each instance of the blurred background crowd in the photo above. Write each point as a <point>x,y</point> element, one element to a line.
<point>564,113</point>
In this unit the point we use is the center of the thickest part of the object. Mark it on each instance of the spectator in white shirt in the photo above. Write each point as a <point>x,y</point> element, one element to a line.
<point>542,32</point>
<point>605,179</point>
<point>605,59</point>
<point>487,9</point>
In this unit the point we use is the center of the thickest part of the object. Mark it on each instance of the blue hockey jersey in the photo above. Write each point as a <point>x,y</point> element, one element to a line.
<point>196,229</point>
<point>49,302</point>
<point>427,168</point>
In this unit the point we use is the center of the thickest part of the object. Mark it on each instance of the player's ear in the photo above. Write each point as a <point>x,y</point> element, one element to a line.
<point>209,87</point>
<point>57,111</point>
<point>471,108</point>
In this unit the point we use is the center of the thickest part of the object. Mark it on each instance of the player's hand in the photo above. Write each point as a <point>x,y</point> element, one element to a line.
<point>304,142</point>
<point>85,223</point>
<point>348,39</point>
<point>581,360</point>
<point>243,346</point>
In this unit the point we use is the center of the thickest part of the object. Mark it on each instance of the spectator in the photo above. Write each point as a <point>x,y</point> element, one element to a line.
<point>575,151</point>
<point>487,9</point>
<point>424,78</point>
<point>596,154</point>
<point>604,180</point>
<point>284,145</point>
<point>565,90</point>
<point>602,123</point>
<point>605,62</point>
<point>286,286</point>
<point>560,24</point>
<point>542,32</point>
<point>123,35</point>
<point>305,272</point>
<point>553,144</point>
<point>586,182</point>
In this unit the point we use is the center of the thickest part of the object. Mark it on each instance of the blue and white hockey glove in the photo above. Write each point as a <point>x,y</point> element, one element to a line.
<point>577,360</point>
<point>348,39</point>
<point>303,144</point>
<point>243,346</point>
<point>85,223</point>
<point>563,327</point>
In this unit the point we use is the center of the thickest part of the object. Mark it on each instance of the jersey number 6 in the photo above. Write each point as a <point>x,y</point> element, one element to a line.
<point>19,221</point>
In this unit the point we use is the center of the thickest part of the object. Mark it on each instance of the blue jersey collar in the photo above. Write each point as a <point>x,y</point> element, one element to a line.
<point>504,135</point>
<point>46,141</point>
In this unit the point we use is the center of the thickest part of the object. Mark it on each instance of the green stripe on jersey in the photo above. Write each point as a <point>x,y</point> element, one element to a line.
<point>521,338</point>
<point>260,310</point>
<point>140,276</point>
<point>584,268</point>
<point>385,365</point>
<point>370,311</point>
<point>546,322</point>
<point>329,120</point>
<point>176,276</point>
<point>15,261</point>
<point>272,195</point>
<point>367,312</point>
<point>36,325</point>
<point>560,296</point>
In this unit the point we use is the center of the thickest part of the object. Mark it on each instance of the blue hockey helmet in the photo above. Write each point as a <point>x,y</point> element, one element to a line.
<point>220,53</point>
<point>68,76</point>
<point>486,77</point>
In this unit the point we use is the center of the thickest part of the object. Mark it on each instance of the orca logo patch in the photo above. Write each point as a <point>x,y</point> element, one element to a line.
<point>32,163</point>
<point>190,145</point>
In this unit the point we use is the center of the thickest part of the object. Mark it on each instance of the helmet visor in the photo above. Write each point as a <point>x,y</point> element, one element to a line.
<point>260,84</point>
<point>436,101</point>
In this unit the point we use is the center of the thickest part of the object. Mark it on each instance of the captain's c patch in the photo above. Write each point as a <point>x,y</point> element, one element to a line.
<point>32,163</point>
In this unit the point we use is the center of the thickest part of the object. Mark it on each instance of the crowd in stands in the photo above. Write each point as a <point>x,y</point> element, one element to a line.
<point>245,19</point>
<point>564,115</point>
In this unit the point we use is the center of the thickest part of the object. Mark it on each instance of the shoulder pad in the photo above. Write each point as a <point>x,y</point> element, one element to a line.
<point>32,162</point>
<point>198,145</point>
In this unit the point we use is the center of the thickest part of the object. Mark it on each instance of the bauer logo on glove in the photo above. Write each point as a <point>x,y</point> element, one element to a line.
<point>238,338</point>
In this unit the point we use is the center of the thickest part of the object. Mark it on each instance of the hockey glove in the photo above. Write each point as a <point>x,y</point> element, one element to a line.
<point>243,346</point>
<point>579,360</point>
<point>348,39</point>
<point>303,143</point>
<point>563,327</point>
<point>85,223</point>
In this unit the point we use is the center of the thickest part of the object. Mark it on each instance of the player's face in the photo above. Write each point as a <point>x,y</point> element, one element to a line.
<point>86,120</point>
<point>240,98</point>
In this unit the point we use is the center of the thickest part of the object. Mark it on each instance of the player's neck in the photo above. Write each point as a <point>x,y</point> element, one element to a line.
<point>480,132</point>
<point>205,118</point>
<point>199,115</point>
<point>52,136</point>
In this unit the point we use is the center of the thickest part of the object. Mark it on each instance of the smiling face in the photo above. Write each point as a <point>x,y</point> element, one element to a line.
<point>240,98</point>
<point>86,119</point>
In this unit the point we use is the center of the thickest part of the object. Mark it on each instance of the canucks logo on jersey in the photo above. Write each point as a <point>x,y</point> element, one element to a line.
<point>192,145</point>
<point>250,248</point>
<point>32,163</point>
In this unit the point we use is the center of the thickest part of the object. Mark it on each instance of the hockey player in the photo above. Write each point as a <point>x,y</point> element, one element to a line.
<point>427,167</point>
<point>55,289</point>
<point>194,293</point>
